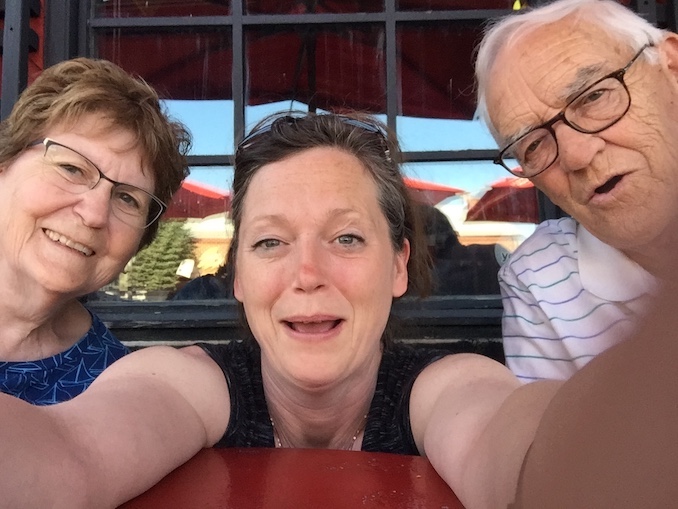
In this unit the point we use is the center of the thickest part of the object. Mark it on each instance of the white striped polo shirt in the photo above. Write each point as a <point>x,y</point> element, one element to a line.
<point>567,296</point>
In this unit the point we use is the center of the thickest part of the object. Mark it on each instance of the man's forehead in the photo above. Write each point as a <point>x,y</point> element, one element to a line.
<point>567,53</point>
<point>540,71</point>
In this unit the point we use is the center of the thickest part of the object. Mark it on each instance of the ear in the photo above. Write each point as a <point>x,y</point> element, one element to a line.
<point>400,275</point>
<point>668,51</point>
<point>237,289</point>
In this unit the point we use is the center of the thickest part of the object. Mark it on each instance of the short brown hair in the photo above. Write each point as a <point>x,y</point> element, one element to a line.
<point>65,92</point>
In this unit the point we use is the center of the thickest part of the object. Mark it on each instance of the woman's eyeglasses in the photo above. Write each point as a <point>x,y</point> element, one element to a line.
<point>72,172</point>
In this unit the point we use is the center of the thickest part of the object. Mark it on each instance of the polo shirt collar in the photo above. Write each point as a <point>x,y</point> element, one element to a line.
<point>608,273</point>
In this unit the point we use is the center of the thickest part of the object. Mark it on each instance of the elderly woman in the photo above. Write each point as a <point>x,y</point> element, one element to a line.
<point>88,160</point>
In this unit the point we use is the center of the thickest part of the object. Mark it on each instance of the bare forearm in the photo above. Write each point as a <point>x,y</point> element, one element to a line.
<point>143,430</point>
<point>608,439</point>
<point>98,450</point>
<point>477,442</point>
<point>37,468</point>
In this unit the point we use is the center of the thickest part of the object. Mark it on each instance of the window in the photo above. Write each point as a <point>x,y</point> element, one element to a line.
<point>221,65</point>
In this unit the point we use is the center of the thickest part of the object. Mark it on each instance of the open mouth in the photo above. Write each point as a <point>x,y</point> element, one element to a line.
<point>319,327</point>
<point>61,239</point>
<point>609,185</point>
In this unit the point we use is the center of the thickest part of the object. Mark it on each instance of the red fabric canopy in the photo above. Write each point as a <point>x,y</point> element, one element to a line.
<point>510,199</point>
<point>200,200</point>
<point>197,200</point>
<point>430,193</point>
<point>329,67</point>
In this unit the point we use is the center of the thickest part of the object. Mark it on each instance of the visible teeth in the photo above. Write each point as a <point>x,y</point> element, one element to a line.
<point>57,237</point>
<point>314,327</point>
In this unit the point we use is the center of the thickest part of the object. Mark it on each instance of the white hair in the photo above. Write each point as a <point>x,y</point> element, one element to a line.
<point>611,17</point>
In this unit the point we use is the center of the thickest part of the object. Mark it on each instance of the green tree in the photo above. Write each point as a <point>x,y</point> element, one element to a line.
<point>155,267</point>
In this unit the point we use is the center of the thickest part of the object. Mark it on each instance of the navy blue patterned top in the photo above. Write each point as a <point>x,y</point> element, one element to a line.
<point>66,374</point>
<point>388,421</point>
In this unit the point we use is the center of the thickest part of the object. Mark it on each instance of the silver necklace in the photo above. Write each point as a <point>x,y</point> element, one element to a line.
<point>278,442</point>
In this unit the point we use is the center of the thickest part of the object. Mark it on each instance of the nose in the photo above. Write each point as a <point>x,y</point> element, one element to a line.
<point>576,150</point>
<point>94,205</point>
<point>309,275</point>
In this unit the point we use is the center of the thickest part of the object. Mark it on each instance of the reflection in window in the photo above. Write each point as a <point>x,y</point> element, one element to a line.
<point>474,218</point>
<point>435,70</point>
<point>459,269</point>
<point>506,222</point>
<point>205,275</point>
<point>187,65</point>
<point>474,214</point>
<point>326,68</point>
<point>431,134</point>
<point>312,6</point>
<point>446,5</point>
<point>149,8</point>
<point>210,123</point>
<point>193,240</point>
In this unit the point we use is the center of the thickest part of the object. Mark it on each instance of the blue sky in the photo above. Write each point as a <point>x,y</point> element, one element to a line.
<point>211,123</point>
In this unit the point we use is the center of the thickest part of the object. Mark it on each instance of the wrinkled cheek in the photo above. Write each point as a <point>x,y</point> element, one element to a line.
<point>557,189</point>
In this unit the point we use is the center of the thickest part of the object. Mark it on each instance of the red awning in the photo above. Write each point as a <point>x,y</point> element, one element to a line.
<point>197,200</point>
<point>200,200</point>
<point>328,67</point>
<point>511,199</point>
<point>430,193</point>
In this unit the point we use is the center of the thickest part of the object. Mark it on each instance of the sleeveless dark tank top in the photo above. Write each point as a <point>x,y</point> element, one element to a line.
<point>388,421</point>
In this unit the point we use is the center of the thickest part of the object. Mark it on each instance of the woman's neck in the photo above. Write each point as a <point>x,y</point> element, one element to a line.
<point>332,418</point>
<point>40,332</point>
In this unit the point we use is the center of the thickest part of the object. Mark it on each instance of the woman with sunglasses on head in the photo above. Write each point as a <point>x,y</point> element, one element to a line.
<point>88,160</point>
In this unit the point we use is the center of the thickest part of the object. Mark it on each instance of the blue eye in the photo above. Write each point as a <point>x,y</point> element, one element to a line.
<point>72,169</point>
<point>266,244</point>
<point>127,200</point>
<point>349,239</point>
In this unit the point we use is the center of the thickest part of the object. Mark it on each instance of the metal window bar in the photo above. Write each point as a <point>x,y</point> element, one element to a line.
<point>17,40</point>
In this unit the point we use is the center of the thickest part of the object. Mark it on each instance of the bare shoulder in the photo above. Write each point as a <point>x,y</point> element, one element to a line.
<point>462,382</point>
<point>462,370</point>
<point>189,373</point>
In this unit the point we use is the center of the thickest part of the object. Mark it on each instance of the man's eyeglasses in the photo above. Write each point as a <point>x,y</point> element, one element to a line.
<point>598,107</point>
<point>72,172</point>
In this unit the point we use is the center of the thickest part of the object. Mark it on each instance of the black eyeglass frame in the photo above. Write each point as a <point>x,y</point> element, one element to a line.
<point>47,142</point>
<point>548,125</point>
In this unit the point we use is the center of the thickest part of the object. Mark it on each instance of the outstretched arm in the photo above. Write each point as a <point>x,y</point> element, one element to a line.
<point>608,438</point>
<point>604,438</point>
<point>144,416</point>
<point>475,422</point>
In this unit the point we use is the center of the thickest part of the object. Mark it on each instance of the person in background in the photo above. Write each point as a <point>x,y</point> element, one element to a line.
<point>458,269</point>
<point>210,286</point>
<point>88,160</point>
<point>581,95</point>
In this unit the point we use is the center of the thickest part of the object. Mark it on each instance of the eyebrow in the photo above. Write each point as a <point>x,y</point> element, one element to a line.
<point>281,220</point>
<point>582,79</point>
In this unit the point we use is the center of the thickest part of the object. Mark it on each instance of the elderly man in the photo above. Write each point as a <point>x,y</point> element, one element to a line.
<point>582,96</point>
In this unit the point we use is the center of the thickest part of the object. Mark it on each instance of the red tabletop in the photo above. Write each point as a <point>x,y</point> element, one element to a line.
<point>298,479</point>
